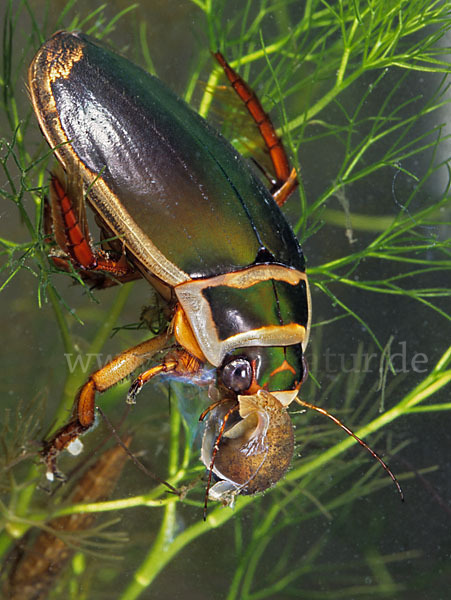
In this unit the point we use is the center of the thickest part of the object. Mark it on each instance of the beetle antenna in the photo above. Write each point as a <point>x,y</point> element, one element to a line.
<point>130,454</point>
<point>215,452</point>
<point>361,442</point>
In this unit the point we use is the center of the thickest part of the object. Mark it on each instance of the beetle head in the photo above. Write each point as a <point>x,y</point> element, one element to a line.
<point>275,368</point>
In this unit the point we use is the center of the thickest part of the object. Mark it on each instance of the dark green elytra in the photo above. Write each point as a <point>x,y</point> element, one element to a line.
<point>180,180</point>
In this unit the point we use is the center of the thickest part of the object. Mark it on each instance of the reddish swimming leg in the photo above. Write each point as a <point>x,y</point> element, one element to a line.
<point>286,178</point>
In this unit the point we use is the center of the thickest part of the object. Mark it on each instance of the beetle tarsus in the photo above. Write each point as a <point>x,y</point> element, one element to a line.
<point>182,364</point>
<point>53,473</point>
<point>66,438</point>
<point>134,390</point>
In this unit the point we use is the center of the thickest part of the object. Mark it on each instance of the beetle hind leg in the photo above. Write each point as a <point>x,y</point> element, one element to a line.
<point>66,216</point>
<point>286,177</point>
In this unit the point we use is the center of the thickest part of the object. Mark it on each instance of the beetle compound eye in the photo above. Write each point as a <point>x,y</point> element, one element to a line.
<point>237,374</point>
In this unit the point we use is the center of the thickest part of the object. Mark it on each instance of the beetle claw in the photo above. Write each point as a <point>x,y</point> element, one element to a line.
<point>134,390</point>
<point>52,473</point>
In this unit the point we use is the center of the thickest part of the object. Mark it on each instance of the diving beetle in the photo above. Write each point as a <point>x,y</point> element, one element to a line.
<point>190,215</point>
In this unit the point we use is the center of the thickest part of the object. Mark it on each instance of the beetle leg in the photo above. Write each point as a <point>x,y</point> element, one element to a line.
<point>286,178</point>
<point>135,388</point>
<point>51,230</point>
<point>180,363</point>
<point>95,279</point>
<point>72,235</point>
<point>84,409</point>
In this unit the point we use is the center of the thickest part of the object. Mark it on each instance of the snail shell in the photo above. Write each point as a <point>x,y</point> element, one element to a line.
<point>256,447</point>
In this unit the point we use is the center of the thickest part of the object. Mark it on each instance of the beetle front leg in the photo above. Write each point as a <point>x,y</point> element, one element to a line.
<point>180,363</point>
<point>84,409</point>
